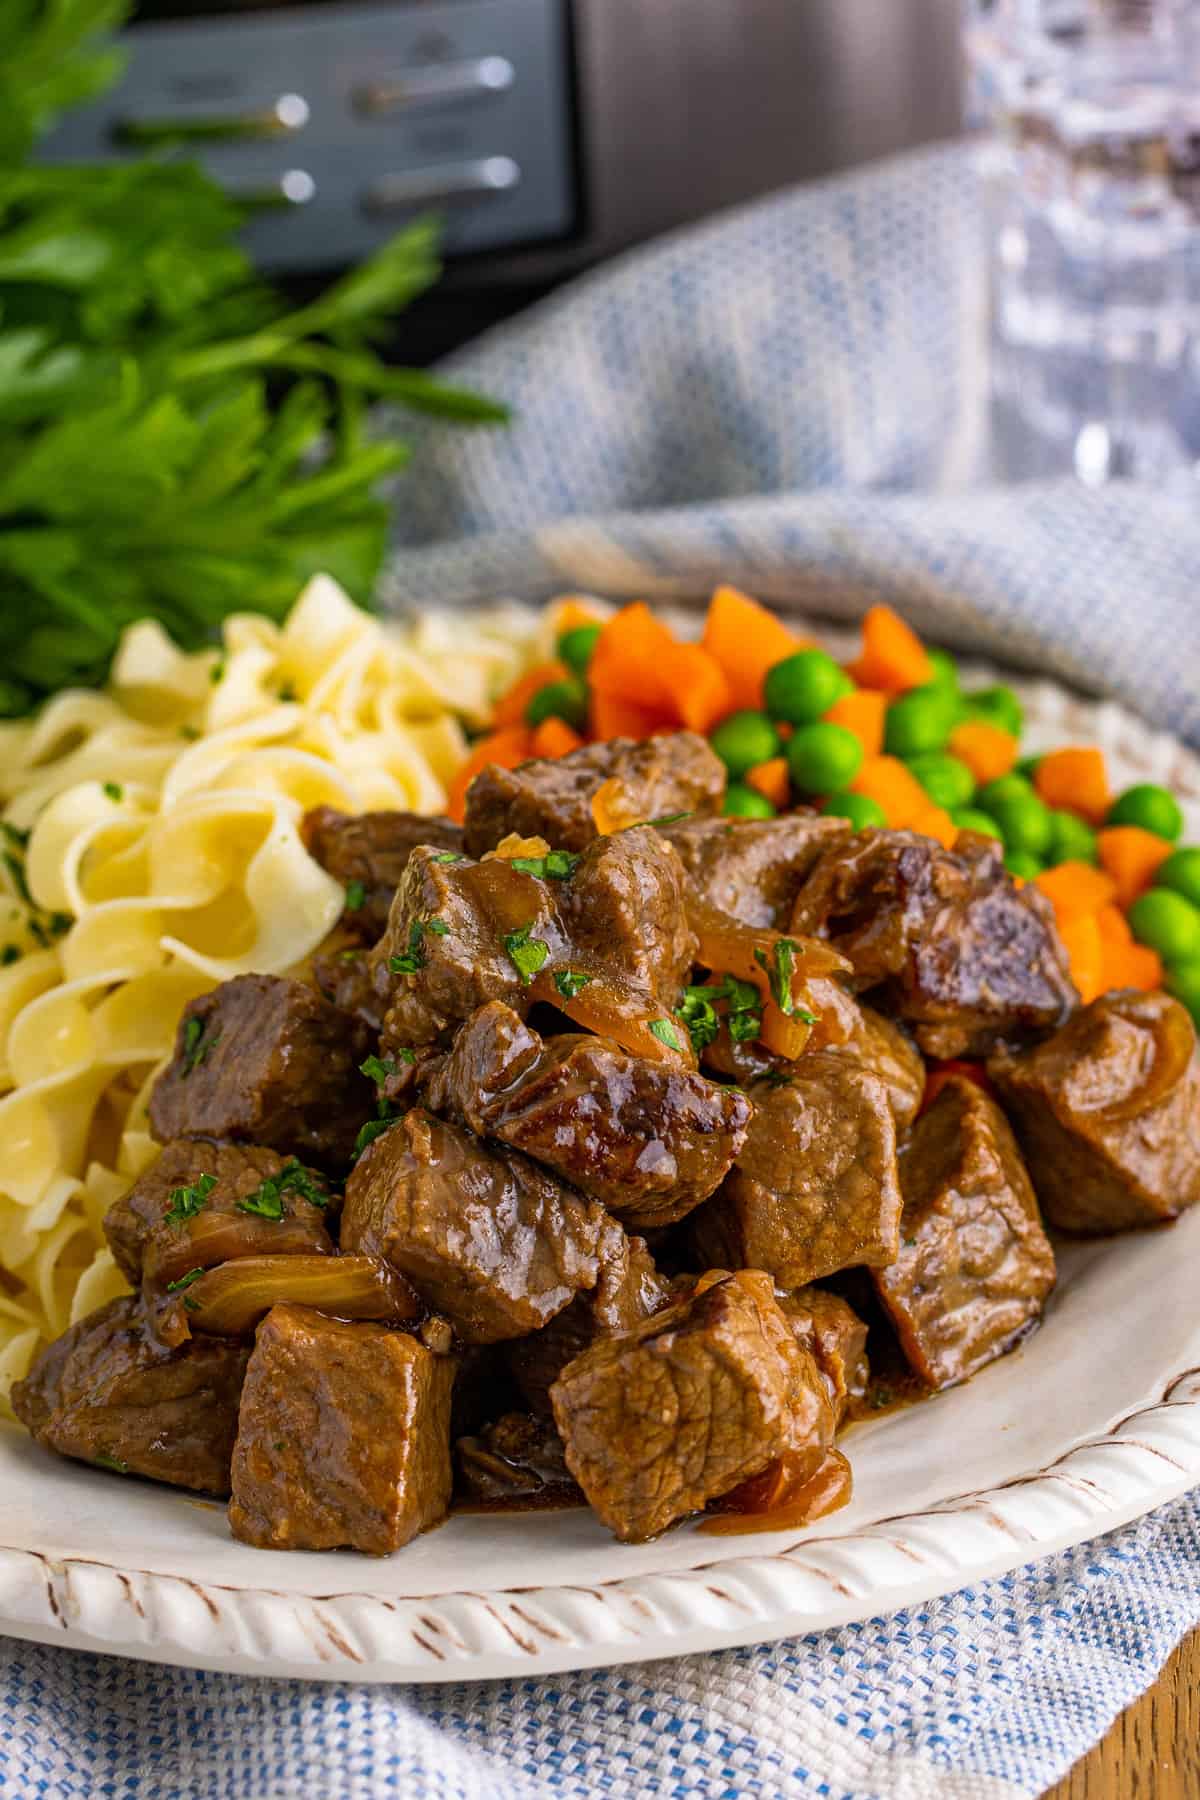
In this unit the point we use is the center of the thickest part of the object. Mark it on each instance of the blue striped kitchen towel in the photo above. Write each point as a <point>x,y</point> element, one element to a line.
<point>791,398</point>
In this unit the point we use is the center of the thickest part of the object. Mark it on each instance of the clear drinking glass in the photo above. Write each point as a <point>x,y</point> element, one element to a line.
<point>1091,110</point>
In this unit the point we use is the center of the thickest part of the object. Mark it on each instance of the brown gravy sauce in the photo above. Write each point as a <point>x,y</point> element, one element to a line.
<point>829,1489</point>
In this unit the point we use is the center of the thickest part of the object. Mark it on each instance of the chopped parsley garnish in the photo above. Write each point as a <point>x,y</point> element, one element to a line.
<point>186,1202</point>
<point>776,1078</point>
<point>666,1033</point>
<point>217,673</point>
<point>570,982</point>
<point>744,1025</point>
<point>448,856</point>
<point>197,1045</point>
<point>356,894</point>
<point>105,1461</point>
<point>16,869</point>
<point>412,959</point>
<point>114,790</point>
<point>780,976</point>
<point>438,927</point>
<point>45,927</point>
<point>9,955</point>
<point>527,954</point>
<point>189,733</point>
<point>669,818</point>
<point>266,1202</point>
<point>16,837</point>
<point>556,865</point>
<point>385,1116</point>
<point>377,1070</point>
<point>882,1397</point>
<point>185,1281</point>
<point>700,1015</point>
<point>287,693</point>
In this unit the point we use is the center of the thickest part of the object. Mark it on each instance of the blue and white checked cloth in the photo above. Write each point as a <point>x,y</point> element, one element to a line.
<point>790,398</point>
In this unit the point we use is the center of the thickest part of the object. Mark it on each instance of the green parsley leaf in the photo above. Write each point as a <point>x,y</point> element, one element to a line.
<point>666,1033</point>
<point>104,1461</point>
<point>744,1025</point>
<point>17,838</point>
<point>556,865</point>
<point>185,1281</point>
<point>412,959</point>
<point>266,1201</point>
<point>197,1044</point>
<point>356,894</point>
<point>570,982</point>
<point>447,856</point>
<point>114,790</point>
<point>377,1070</point>
<point>780,975</point>
<point>9,955</point>
<point>438,927</point>
<point>700,1015</point>
<point>216,674</point>
<point>386,1117</point>
<point>16,868</point>
<point>669,818</point>
<point>527,954</point>
<point>185,1202</point>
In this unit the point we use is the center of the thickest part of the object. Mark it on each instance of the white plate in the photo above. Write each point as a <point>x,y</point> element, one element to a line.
<point>1093,1422</point>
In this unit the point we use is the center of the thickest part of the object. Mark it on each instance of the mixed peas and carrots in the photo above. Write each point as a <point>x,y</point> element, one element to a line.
<point>891,738</point>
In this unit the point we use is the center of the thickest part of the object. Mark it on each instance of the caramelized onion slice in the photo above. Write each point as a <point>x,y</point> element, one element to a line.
<point>230,1300</point>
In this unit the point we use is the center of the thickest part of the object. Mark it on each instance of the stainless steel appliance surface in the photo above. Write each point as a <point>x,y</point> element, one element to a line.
<point>550,133</point>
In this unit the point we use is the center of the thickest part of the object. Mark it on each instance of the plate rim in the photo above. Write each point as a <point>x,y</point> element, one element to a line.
<point>1144,1459</point>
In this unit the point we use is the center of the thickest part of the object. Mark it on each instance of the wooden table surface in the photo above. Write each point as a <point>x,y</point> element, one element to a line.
<point>1153,1750</point>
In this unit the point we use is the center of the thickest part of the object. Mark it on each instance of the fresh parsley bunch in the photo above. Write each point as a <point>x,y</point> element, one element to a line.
<point>174,441</point>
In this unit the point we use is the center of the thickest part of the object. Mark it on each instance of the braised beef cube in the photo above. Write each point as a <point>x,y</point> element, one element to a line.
<point>629,1289</point>
<point>367,853</point>
<point>343,1438</point>
<point>517,1460</point>
<point>688,1405</point>
<point>649,1140</point>
<point>815,1187</point>
<point>201,1203</point>
<point>752,869</point>
<point>1108,1114</point>
<point>449,944</point>
<point>943,938</point>
<point>266,1060</point>
<point>975,1265</point>
<point>885,1049</point>
<point>345,974</point>
<point>829,1327</point>
<point>553,799</point>
<point>108,1392</point>
<point>625,905</point>
<point>496,1244</point>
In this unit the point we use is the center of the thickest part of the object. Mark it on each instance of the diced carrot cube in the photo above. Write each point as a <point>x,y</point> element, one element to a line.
<point>1075,780</point>
<point>506,748</point>
<point>698,685</point>
<point>895,788</point>
<point>1085,953</point>
<point>1074,888</point>
<point>772,781</point>
<point>988,750</point>
<point>1132,857</point>
<point>629,659</point>
<point>610,716</point>
<point>864,712</point>
<point>893,656</point>
<point>554,738</point>
<point>937,1078</point>
<point>747,641</point>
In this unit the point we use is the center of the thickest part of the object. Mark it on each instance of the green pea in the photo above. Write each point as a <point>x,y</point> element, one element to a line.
<point>860,809</point>
<point>1005,787</point>
<point>559,700</point>
<point>1024,823</point>
<point>823,758</point>
<point>575,647</point>
<point>945,670</point>
<point>1152,807</point>
<point>1000,706</point>
<point>1181,873</point>
<point>1071,839</point>
<point>744,802</point>
<point>970,818</point>
<point>743,740</point>
<point>919,721</point>
<point>1022,864</point>
<point>1184,982</point>
<point>946,780</point>
<point>802,687</point>
<point>1167,923</point>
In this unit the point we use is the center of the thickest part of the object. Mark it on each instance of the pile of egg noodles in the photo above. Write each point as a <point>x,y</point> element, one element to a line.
<point>151,849</point>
